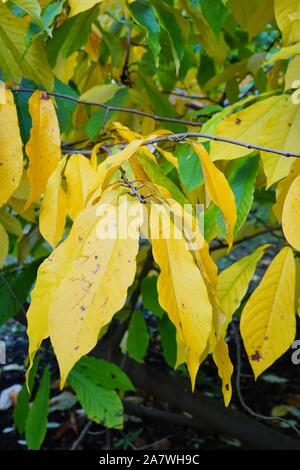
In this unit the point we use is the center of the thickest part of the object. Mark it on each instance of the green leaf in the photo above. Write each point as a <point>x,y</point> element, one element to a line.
<point>10,223</point>
<point>143,13</point>
<point>16,59</point>
<point>138,336</point>
<point>15,285</point>
<point>101,405</point>
<point>167,333</point>
<point>168,21</point>
<point>215,13</point>
<point>190,170</point>
<point>32,8</point>
<point>242,177</point>
<point>97,121</point>
<point>150,296</point>
<point>21,410</point>
<point>71,35</point>
<point>156,175</point>
<point>36,424</point>
<point>104,373</point>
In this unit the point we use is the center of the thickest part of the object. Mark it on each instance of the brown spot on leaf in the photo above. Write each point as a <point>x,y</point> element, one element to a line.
<point>238,121</point>
<point>227,387</point>
<point>76,348</point>
<point>256,356</point>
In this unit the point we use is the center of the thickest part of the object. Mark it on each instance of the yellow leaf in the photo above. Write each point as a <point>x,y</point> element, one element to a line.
<point>283,187</point>
<point>281,132</point>
<point>2,92</point>
<point>93,288</point>
<point>225,368</point>
<point>81,178</point>
<point>268,323</point>
<point>181,288</point>
<point>246,126</point>
<point>218,190</point>
<point>292,74</point>
<point>18,206</point>
<point>65,66</point>
<point>77,6</point>
<point>50,274</point>
<point>284,53</point>
<point>289,25</point>
<point>54,207</point>
<point>233,283</point>
<point>43,147</point>
<point>102,93</point>
<point>291,214</point>
<point>11,156</point>
<point>4,243</point>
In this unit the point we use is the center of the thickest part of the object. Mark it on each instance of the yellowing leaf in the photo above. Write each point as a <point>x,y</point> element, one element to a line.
<point>233,283</point>
<point>289,25</point>
<point>53,210</point>
<point>10,223</point>
<point>246,126</point>
<point>65,66</point>
<point>4,243</point>
<point>181,288</point>
<point>81,178</point>
<point>291,214</point>
<point>225,368</point>
<point>43,147</point>
<point>292,74</point>
<point>50,274</point>
<point>218,190</point>
<point>11,155</point>
<point>268,324</point>
<point>281,132</point>
<point>93,288</point>
<point>283,187</point>
<point>284,53</point>
<point>77,6</point>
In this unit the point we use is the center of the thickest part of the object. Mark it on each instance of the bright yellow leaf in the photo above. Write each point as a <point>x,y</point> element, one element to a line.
<point>292,75</point>
<point>283,187</point>
<point>291,214</point>
<point>93,288</point>
<point>245,126</point>
<point>225,368</point>
<point>43,147</point>
<point>81,178</point>
<point>181,288</point>
<point>11,156</point>
<point>288,24</point>
<point>233,283</point>
<point>218,190</point>
<point>53,210</point>
<point>268,323</point>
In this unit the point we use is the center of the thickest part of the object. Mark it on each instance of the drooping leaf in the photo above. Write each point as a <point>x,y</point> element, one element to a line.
<point>53,210</point>
<point>150,296</point>
<point>43,147</point>
<point>291,214</point>
<point>233,283</point>
<point>81,178</point>
<point>11,157</point>
<point>218,190</point>
<point>268,323</point>
<point>144,15</point>
<point>138,336</point>
<point>181,288</point>
<point>225,368</point>
<point>36,424</point>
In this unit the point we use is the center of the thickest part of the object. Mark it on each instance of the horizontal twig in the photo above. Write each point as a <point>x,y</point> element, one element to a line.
<point>109,108</point>
<point>174,137</point>
<point>187,135</point>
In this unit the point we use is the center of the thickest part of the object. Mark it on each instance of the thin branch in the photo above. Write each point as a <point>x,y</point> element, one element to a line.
<point>111,108</point>
<point>187,135</point>
<point>173,137</point>
<point>239,391</point>
<point>82,435</point>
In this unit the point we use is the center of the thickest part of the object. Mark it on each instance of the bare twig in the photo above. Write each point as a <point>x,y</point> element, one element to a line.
<point>239,392</point>
<point>82,435</point>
